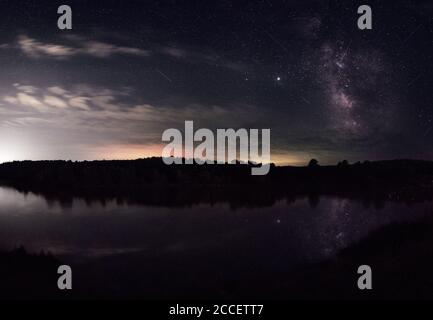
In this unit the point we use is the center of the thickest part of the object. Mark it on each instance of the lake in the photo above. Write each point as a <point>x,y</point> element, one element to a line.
<point>197,241</point>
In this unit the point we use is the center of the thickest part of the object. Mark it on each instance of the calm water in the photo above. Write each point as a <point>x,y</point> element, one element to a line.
<point>277,236</point>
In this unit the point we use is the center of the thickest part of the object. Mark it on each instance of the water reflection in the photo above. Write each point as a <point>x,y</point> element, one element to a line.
<point>289,232</point>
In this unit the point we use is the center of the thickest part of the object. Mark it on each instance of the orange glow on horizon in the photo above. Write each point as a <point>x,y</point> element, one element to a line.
<point>130,152</point>
<point>139,151</point>
<point>126,152</point>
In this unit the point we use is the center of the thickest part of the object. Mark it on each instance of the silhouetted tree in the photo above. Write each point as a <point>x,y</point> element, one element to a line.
<point>343,163</point>
<point>313,163</point>
<point>151,182</point>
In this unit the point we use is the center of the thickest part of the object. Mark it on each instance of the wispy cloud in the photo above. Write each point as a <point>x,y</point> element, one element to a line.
<point>72,46</point>
<point>101,115</point>
<point>195,56</point>
<point>38,49</point>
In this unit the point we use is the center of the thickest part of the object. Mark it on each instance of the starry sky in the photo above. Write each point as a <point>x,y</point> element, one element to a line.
<point>128,70</point>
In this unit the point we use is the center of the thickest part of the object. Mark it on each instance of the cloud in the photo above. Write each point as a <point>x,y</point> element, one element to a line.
<point>105,50</point>
<point>38,49</point>
<point>10,99</point>
<point>105,115</point>
<point>75,46</point>
<point>196,56</point>
<point>26,89</point>
<point>57,90</point>
<point>55,102</point>
<point>79,102</point>
<point>30,101</point>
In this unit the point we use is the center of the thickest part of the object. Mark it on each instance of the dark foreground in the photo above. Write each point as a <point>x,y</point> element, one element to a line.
<point>400,254</point>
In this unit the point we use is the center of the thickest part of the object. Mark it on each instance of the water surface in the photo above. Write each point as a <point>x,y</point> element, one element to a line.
<point>278,236</point>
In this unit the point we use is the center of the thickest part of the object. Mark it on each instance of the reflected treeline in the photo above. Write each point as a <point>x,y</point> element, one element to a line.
<point>27,276</point>
<point>151,182</point>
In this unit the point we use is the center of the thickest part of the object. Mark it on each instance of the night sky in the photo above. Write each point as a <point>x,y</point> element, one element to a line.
<point>128,70</point>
